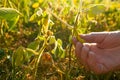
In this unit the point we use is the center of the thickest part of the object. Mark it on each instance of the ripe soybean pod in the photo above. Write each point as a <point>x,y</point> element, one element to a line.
<point>75,32</point>
<point>78,37</point>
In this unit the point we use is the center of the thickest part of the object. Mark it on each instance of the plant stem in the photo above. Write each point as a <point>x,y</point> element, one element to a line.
<point>13,68</point>
<point>79,15</point>
<point>70,55</point>
<point>38,60</point>
<point>65,23</point>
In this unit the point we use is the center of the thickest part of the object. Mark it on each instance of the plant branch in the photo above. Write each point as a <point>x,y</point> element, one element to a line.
<point>65,23</point>
<point>40,54</point>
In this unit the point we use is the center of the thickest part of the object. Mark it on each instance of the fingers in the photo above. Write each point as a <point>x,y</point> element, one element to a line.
<point>91,61</point>
<point>88,57</point>
<point>82,51</point>
<point>94,64</point>
<point>78,48</point>
<point>87,53</point>
<point>84,54</point>
<point>94,37</point>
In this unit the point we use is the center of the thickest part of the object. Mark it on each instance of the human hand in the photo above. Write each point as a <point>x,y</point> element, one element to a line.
<point>102,53</point>
<point>103,39</point>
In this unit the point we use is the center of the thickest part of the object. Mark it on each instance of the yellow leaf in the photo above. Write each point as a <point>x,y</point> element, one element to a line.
<point>35,5</point>
<point>40,1</point>
<point>45,23</point>
<point>75,2</point>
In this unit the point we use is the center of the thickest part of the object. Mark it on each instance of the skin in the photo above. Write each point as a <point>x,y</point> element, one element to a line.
<point>100,53</point>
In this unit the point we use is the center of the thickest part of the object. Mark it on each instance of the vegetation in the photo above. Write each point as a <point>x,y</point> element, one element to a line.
<point>35,37</point>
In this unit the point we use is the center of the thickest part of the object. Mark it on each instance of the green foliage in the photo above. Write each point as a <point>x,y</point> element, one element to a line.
<point>52,40</point>
<point>11,15</point>
<point>43,29</point>
<point>34,45</point>
<point>19,57</point>
<point>58,51</point>
<point>96,9</point>
<point>2,54</point>
<point>8,13</point>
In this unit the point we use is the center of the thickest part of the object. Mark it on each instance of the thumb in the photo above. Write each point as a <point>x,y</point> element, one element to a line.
<point>94,37</point>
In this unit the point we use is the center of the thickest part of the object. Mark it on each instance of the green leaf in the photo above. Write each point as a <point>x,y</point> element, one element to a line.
<point>36,16</point>
<point>61,52</point>
<point>58,50</point>
<point>34,45</point>
<point>59,41</point>
<point>8,13</point>
<point>12,23</point>
<point>96,9</point>
<point>33,18</point>
<point>54,50</point>
<point>19,56</point>
<point>45,22</point>
<point>52,40</point>
<point>41,38</point>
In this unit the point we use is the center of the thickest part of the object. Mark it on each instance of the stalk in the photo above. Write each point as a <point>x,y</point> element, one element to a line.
<point>13,68</point>
<point>79,15</point>
<point>40,54</point>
